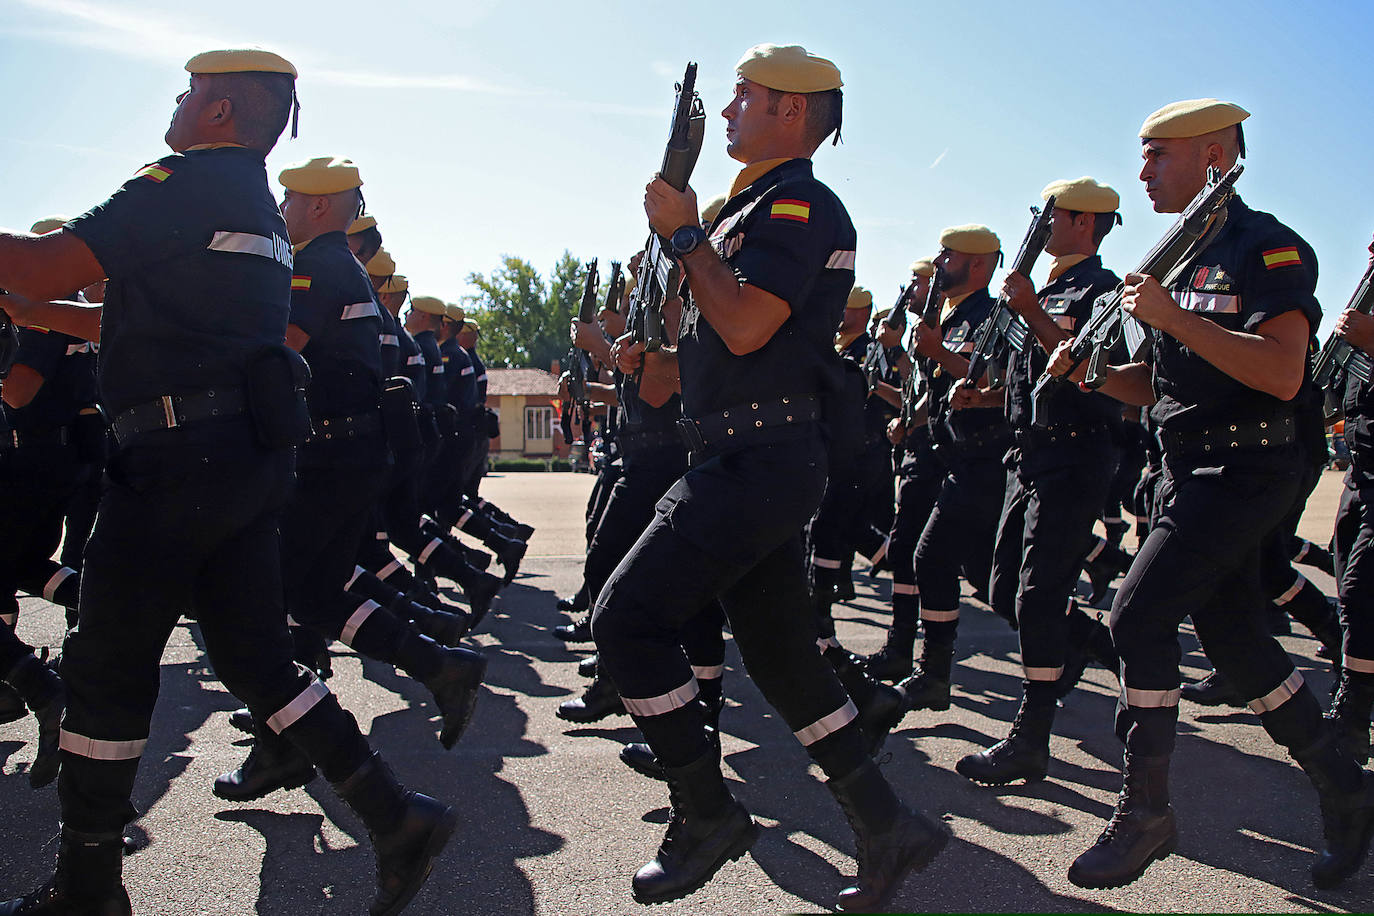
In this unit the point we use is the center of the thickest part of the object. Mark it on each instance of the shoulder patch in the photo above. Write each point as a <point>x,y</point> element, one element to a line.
<point>1281,257</point>
<point>156,173</point>
<point>788,208</point>
<point>300,283</point>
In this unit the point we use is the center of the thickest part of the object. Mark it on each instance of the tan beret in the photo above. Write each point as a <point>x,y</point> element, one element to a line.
<point>1085,195</point>
<point>240,60</point>
<point>1191,118</point>
<point>971,239</point>
<point>321,175</point>
<point>429,305</point>
<point>362,224</point>
<point>859,298</point>
<point>48,224</point>
<point>788,68</point>
<point>712,208</point>
<point>454,312</point>
<point>879,316</point>
<point>381,264</point>
<point>471,325</point>
<point>396,283</point>
<point>923,267</point>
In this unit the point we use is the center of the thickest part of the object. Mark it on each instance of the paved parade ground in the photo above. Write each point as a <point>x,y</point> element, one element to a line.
<point>552,823</point>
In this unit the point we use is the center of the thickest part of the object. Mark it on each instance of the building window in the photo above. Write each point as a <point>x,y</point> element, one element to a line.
<point>538,423</point>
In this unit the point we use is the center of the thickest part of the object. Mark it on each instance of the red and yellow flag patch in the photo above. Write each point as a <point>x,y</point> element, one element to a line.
<point>155,172</point>
<point>300,283</point>
<point>795,210</point>
<point>1281,257</point>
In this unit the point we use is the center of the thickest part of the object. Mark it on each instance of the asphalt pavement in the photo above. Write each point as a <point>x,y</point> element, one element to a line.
<point>552,822</point>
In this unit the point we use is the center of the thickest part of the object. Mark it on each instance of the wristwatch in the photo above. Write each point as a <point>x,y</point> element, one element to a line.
<point>685,239</point>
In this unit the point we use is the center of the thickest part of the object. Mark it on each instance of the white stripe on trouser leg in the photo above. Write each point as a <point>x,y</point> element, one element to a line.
<point>1043,674</point>
<point>828,725</point>
<point>1151,699</point>
<point>96,749</point>
<point>901,588</point>
<point>1292,592</point>
<point>356,620</point>
<point>880,552</point>
<point>823,563</point>
<point>1302,551</point>
<point>1359,665</point>
<point>664,703</point>
<point>305,701</point>
<point>1093,554</point>
<point>430,548</point>
<point>1279,695</point>
<point>463,519</point>
<point>57,579</point>
<point>357,571</point>
<point>389,569</point>
<point>939,616</point>
<point>708,672</point>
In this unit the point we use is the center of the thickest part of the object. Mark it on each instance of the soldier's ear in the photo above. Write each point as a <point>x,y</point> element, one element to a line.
<point>220,112</point>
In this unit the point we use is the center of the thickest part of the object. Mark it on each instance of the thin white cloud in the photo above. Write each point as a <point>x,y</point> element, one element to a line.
<point>940,158</point>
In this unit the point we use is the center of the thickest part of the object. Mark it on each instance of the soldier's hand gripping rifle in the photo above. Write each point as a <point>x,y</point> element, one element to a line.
<point>915,385</point>
<point>1193,231</point>
<point>875,360</point>
<point>1004,329</point>
<point>1339,358</point>
<point>659,274</point>
<point>579,363</point>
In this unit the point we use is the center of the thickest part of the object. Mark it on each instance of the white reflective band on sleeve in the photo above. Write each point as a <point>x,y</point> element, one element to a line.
<point>430,548</point>
<point>389,340</point>
<point>939,616</point>
<point>9,620</point>
<point>1359,665</point>
<point>659,705</point>
<point>482,377</point>
<point>357,571</point>
<point>841,260</point>
<point>463,519</point>
<point>1112,519</point>
<point>1043,674</point>
<point>388,569</point>
<point>57,579</point>
<point>880,552</point>
<point>1302,552</point>
<point>467,370</point>
<point>1093,554</point>
<point>708,672</point>
<point>356,620</point>
<point>828,725</point>
<point>416,360</point>
<point>305,701</point>
<point>366,309</point>
<point>1152,699</point>
<point>244,243</point>
<point>824,563</point>
<point>1279,695</point>
<point>437,370</point>
<point>95,749</point>
<point>1292,592</point>
<point>380,535</point>
<point>901,588</point>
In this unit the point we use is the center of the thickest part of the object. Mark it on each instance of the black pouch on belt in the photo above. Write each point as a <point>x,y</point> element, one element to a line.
<point>90,435</point>
<point>398,415</point>
<point>277,378</point>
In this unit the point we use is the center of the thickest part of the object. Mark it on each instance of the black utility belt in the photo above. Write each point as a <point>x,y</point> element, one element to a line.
<point>1062,434</point>
<point>749,424</point>
<point>634,443</point>
<point>31,438</point>
<point>1226,437</point>
<point>990,439</point>
<point>348,426</point>
<point>175,410</point>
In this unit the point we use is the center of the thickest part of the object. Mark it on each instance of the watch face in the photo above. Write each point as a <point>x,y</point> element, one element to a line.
<point>686,239</point>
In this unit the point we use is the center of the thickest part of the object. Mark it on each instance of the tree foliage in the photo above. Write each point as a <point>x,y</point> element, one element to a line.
<point>525,320</point>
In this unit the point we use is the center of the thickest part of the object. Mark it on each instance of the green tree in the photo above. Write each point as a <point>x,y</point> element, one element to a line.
<point>525,321</point>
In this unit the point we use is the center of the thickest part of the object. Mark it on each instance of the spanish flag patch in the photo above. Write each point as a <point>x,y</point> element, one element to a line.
<point>299,282</point>
<point>1281,257</point>
<point>795,210</point>
<point>155,172</point>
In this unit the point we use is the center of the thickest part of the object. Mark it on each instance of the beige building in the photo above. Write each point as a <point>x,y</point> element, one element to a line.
<point>527,402</point>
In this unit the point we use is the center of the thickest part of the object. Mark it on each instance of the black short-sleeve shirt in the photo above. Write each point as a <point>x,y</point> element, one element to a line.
<point>461,376</point>
<point>390,340</point>
<point>199,272</point>
<point>789,235</point>
<point>68,379</point>
<point>986,426</point>
<point>436,389</point>
<point>480,370</point>
<point>412,363</point>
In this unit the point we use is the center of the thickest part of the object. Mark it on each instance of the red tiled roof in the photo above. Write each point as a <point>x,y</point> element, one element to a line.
<point>521,381</point>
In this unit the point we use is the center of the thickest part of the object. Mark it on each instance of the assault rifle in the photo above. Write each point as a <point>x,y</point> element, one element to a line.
<point>1193,231</point>
<point>1003,328</point>
<point>578,361</point>
<point>1340,358</point>
<point>9,341</point>
<point>918,382</point>
<point>875,360</point>
<point>659,274</point>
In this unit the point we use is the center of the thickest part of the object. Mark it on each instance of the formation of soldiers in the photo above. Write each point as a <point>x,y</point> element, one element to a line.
<point>232,377</point>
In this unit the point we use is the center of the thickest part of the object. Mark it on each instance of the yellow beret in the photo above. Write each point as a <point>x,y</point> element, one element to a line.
<point>1086,195</point>
<point>708,212</point>
<point>321,175</point>
<point>923,267</point>
<point>362,224</point>
<point>879,316</point>
<point>396,283</point>
<point>429,305</point>
<point>971,239</point>
<point>240,60</point>
<point>859,298</point>
<point>1191,118</point>
<point>381,264</point>
<point>788,68</point>
<point>48,224</point>
<point>470,325</point>
<point>454,312</point>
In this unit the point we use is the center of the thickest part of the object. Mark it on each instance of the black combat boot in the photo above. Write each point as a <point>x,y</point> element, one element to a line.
<point>1346,795</point>
<point>894,660</point>
<point>273,763</point>
<point>1349,715</point>
<point>706,829</point>
<point>88,880</point>
<point>577,631</point>
<point>444,627</point>
<point>509,553</point>
<point>1213,690</point>
<point>599,701</point>
<point>639,757</point>
<point>577,604</point>
<point>589,665</point>
<point>311,649</point>
<point>242,719</point>
<point>1142,828</point>
<point>1024,753</point>
<point>892,840</point>
<point>928,686</point>
<point>880,705</point>
<point>41,689</point>
<point>452,674</point>
<point>408,832</point>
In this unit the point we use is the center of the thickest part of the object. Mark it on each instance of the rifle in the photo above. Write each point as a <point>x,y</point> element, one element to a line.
<point>578,360</point>
<point>875,360</point>
<point>9,341</point>
<point>918,382</point>
<point>1193,231</point>
<point>1339,358</point>
<point>1004,328</point>
<point>659,273</point>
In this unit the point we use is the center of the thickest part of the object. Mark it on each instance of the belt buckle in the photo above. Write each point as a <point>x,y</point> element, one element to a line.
<point>691,434</point>
<point>169,412</point>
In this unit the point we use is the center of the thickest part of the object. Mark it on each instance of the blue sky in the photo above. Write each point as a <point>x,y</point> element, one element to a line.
<point>527,128</point>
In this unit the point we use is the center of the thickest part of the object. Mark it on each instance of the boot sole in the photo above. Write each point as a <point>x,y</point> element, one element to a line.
<point>1328,882</point>
<point>917,863</point>
<point>734,853</point>
<point>1159,855</point>
<point>296,781</point>
<point>649,772</point>
<point>583,720</point>
<point>443,831</point>
<point>1027,779</point>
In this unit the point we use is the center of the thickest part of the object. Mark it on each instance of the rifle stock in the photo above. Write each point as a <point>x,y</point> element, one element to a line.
<point>577,357</point>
